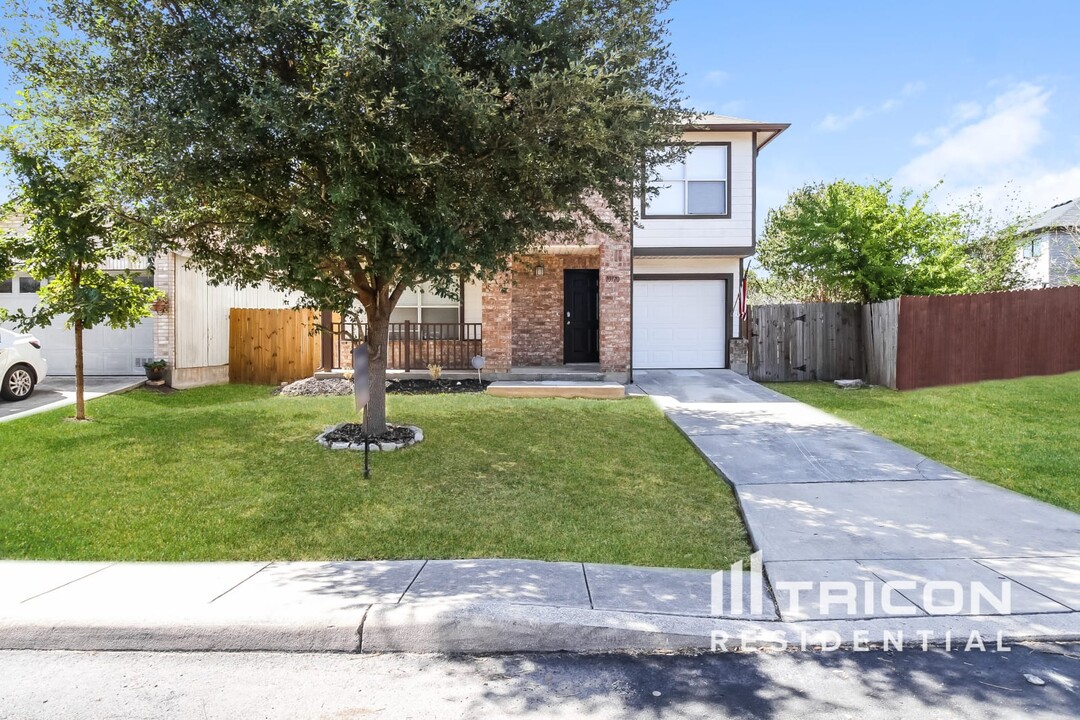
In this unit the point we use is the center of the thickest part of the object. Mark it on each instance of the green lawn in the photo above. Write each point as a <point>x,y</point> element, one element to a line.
<point>1021,434</point>
<point>231,473</point>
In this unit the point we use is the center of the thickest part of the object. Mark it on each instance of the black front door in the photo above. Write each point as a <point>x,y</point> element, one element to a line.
<point>581,315</point>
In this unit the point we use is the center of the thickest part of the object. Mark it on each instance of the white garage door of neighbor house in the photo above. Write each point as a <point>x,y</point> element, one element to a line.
<point>679,323</point>
<point>105,351</point>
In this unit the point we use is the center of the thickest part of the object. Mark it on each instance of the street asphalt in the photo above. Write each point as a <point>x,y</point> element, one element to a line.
<point>233,686</point>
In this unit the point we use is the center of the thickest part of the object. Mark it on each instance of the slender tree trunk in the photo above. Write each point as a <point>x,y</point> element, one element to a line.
<point>80,401</point>
<point>378,328</point>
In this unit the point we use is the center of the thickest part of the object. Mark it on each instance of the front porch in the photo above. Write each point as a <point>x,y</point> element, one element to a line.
<point>562,314</point>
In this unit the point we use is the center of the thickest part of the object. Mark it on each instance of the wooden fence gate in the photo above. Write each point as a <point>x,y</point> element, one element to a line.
<point>269,347</point>
<point>806,341</point>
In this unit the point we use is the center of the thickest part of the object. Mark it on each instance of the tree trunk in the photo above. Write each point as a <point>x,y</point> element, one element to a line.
<point>80,401</point>
<point>378,328</point>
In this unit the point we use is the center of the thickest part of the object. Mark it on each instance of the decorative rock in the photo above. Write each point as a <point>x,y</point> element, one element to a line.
<point>849,384</point>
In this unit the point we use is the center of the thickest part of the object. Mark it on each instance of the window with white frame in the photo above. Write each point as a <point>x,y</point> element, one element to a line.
<point>424,305</point>
<point>696,187</point>
<point>1033,248</point>
<point>20,285</point>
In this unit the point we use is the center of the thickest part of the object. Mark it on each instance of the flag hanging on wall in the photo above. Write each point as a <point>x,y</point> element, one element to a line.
<point>742,299</point>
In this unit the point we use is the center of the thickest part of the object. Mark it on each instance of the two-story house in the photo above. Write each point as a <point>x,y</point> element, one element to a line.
<point>660,295</point>
<point>1050,251</point>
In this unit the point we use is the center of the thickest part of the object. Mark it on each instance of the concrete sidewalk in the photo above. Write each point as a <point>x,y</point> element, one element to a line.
<point>827,502</point>
<point>475,606</point>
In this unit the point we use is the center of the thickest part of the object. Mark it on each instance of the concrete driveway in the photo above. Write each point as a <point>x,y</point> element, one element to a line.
<point>59,391</point>
<point>827,501</point>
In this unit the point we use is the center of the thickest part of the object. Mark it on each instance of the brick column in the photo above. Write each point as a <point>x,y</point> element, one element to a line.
<point>498,322</point>
<point>165,323</point>
<point>615,282</point>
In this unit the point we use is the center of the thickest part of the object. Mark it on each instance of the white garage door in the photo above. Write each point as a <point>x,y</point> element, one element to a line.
<point>680,323</point>
<point>105,351</point>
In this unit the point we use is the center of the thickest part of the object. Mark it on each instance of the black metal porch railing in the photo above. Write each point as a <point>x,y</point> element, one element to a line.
<point>412,346</point>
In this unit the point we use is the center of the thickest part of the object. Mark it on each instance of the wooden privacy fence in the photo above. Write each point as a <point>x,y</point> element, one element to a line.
<point>806,341</point>
<point>914,342</point>
<point>269,347</point>
<point>949,339</point>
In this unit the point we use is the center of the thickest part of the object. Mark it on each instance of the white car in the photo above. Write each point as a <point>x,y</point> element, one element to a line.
<point>21,365</point>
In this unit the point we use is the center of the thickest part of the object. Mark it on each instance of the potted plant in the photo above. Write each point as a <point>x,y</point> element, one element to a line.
<point>155,371</point>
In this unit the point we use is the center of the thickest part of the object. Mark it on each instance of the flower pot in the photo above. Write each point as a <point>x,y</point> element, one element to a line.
<point>155,375</point>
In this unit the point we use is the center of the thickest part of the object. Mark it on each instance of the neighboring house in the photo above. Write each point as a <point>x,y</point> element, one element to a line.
<point>105,351</point>
<point>193,334</point>
<point>662,294</point>
<point>1050,252</point>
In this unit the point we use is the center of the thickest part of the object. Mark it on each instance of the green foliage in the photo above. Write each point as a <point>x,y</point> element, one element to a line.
<point>68,238</point>
<point>858,243</point>
<point>350,150</point>
<point>990,241</point>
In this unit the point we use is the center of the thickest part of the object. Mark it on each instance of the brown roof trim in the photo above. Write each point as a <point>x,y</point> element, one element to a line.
<point>707,251</point>
<point>736,127</point>
<point>771,138</point>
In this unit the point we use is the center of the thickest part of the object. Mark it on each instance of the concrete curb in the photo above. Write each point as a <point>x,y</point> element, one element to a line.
<point>500,628</point>
<point>308,636</point>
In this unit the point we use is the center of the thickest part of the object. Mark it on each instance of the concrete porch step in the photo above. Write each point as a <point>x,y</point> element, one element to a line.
<point>556,389</point>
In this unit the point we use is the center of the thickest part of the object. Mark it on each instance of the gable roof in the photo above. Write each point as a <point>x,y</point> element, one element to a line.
<point>1062,215</point>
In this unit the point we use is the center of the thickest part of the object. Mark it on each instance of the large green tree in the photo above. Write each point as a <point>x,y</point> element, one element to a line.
<point>69,236</point>
<point>350,149</point>
<point>842,241</point>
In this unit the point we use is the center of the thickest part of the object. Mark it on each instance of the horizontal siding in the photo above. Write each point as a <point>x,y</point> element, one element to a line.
<point>736,231</point>
<point>202,314</point>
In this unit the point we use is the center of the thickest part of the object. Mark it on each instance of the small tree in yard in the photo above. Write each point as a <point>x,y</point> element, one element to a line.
<point>860,243</point>
<point>865,243</point>
<point>69,238</point>
<point>350,150</point>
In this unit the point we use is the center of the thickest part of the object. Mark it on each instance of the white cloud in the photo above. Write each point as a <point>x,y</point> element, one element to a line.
<point>835,122</point>
<point>716,78</point>
<point>832,123</point>
<point>993,149</point>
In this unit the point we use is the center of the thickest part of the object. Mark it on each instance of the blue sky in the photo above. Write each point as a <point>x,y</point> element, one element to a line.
<point>982,95</point>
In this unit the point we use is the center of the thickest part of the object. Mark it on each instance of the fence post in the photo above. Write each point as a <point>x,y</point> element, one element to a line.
<point>327,340</point>
<point>408,345</point>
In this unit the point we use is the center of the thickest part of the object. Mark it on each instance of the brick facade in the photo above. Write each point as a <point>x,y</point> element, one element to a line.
<point>523,312</point>
<point>165,322</point>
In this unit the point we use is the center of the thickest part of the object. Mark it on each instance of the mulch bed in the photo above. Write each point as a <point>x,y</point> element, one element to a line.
<point>354,433</point>
<point>435,387</point>
<point>310,387</point>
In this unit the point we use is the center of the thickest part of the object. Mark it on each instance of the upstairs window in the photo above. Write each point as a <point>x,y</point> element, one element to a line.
<point>1033,248</point>
<point>699,186</point>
